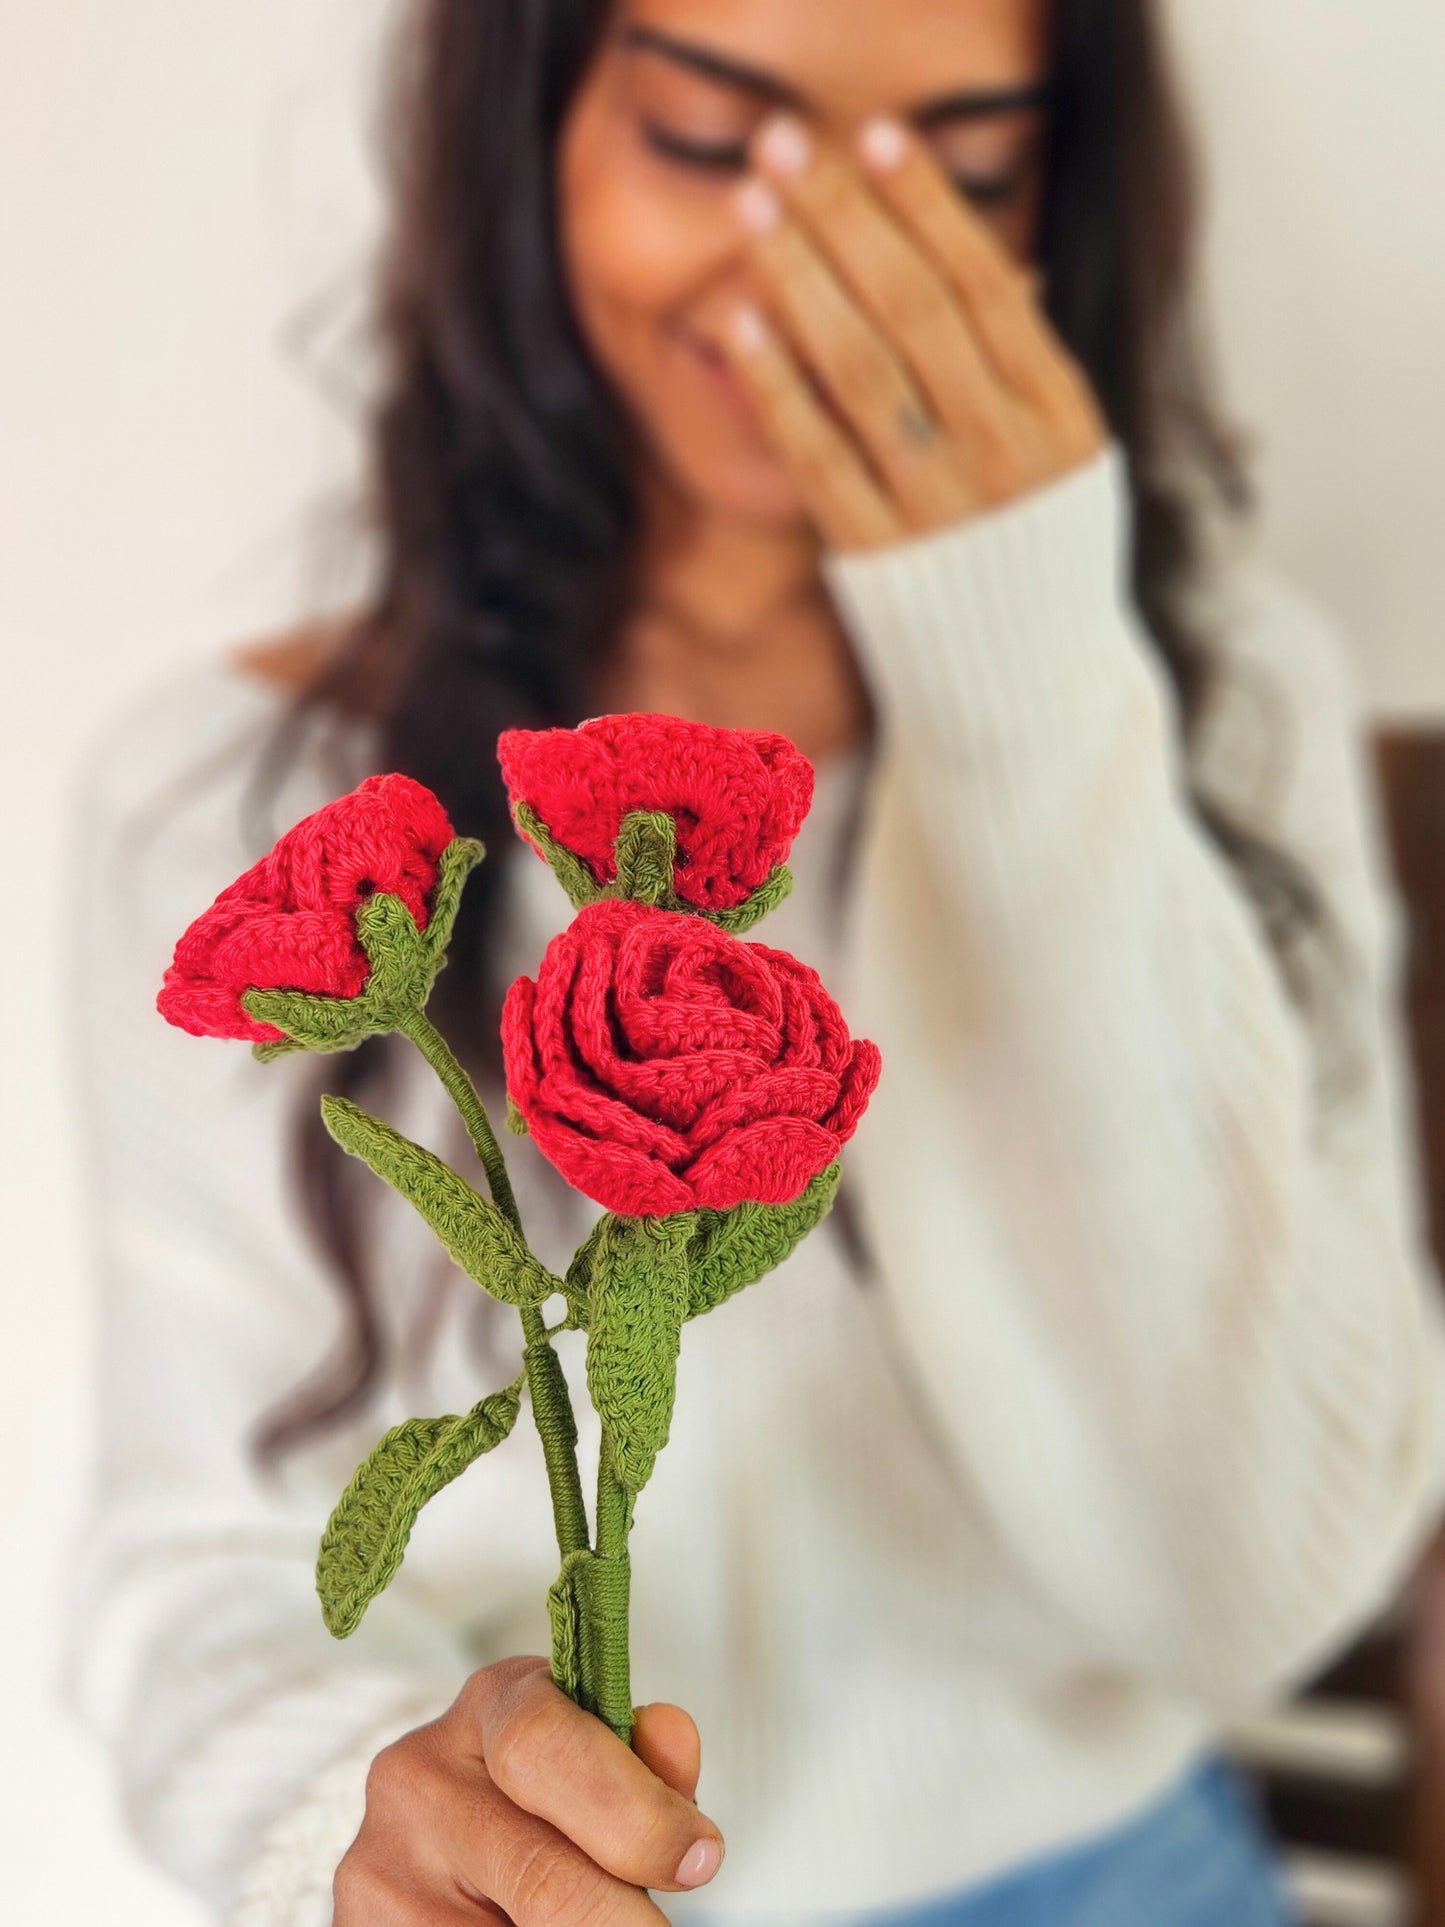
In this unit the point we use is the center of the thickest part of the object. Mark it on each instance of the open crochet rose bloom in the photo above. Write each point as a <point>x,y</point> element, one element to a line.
<point>738,796</point>
<point>290,922</point>
<point>661,1063</point>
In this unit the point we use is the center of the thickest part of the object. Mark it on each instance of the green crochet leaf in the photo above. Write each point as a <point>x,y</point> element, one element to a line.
<point>486,1246</point>
<point>367,1533</point>
<point>638,1301</point>
<point>734,1248</point>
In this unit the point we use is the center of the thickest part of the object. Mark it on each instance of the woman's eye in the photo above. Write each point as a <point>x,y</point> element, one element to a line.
<point>990,191</point>
<point>718,157</point>
<point>731,157</point>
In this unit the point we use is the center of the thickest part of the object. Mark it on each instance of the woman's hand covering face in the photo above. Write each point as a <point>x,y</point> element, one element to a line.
<point>905,369</point>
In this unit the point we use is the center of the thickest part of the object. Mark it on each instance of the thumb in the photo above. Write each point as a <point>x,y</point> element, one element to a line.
<point>666,1740</point>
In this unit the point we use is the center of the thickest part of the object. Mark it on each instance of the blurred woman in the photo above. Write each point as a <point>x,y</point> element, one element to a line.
<point>824,368</point>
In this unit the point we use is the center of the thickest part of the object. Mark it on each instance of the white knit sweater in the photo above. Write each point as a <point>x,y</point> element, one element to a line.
<point>1132,1413</point>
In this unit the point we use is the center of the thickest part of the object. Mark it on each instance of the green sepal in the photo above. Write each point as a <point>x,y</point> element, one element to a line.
<point>571,872</point>
<point>734,1248</point>
<point>368,1531</point>
<point>311,1023</point>
<point>637,1304</point>
<point>516,1122</point>
<point>403,965</point>
<point>645,855</point>
<point>768,895</point>
<point>482,1241</point>
<point>458,860</point>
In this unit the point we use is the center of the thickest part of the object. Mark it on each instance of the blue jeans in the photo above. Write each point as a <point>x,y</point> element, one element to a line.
<point>1198,1857</point>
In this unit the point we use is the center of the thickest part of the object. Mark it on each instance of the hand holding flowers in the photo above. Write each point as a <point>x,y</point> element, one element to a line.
<point>698,1086</point>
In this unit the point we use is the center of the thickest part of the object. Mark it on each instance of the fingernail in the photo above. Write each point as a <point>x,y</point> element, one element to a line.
<point>749,330</point>
<point>783,146</point>
<point>700,1862</point>
<point>758,205</point>
<point>883,142</point>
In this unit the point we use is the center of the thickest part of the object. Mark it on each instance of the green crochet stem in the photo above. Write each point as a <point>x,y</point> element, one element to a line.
<point>434,1048</point>
<point>551,1402</point>
<point>607,1588</point>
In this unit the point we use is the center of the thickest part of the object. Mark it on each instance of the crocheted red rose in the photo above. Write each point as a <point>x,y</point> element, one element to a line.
<point>290,922</point>
<point>661,1063</point>
<point>737,796</point>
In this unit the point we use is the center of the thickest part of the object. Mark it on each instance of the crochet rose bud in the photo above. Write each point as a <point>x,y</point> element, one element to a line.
<point>735,799</point>
<point>290,923</point>
<point>661,1063</point>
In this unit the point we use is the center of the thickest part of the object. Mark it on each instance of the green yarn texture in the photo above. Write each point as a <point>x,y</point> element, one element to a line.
<point>369,1529</point>
<point>404,963</point>
<point>727,1249</point>
<point>565,1612</point>
<point>486,1246</point>
<point>631,1285</point>
<point>736,1248</point>
<point>644,855</point>
<point>638,1302</point>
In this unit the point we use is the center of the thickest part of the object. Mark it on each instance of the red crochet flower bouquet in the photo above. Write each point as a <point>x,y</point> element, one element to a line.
<point>698,1086</point>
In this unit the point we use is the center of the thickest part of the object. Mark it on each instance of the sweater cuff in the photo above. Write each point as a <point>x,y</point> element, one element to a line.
<point>1006,629</point>
<point>289,1880</point>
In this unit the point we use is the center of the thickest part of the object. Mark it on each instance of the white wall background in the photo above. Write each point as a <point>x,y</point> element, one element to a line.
<point>178,183</point>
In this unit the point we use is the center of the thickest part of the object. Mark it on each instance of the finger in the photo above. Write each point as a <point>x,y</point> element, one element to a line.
<point>867,381</point>
<point>666,1740</point>
<point>992,284</point>
<point>565,1766</point>
<point>897,283</point>
<point>838,487</point>
<point>365,1891</point>
<point>542,1878</point>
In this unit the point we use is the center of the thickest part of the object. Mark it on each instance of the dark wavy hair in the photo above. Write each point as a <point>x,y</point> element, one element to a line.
<point>503,499</point>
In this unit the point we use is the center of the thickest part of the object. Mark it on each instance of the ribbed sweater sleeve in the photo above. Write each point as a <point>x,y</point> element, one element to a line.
<point>1199,1389</point>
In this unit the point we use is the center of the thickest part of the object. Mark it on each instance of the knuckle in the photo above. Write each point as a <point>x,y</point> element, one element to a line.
<point>861,373</point>
<point>919,310</point>
<point>478,1691</point>
<point>502,1676</point>
<point>411,1772</point>
<point>385,1776</point>
<point>530,1744</point>
<point>357,1888</point>
<point>552,1882</point>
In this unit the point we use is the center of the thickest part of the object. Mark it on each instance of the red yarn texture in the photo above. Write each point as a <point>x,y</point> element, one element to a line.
<point>663,1064</point>
<point>738,796</point>
<point>290,922</point>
